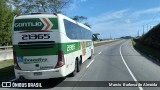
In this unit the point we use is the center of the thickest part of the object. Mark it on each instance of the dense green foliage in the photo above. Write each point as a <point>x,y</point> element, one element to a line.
<point>49,6</point>
<point>149,43</point>
<point>146,49</point>
<point>6,17</point>
<point>152,38</point>
<point>81,19</point>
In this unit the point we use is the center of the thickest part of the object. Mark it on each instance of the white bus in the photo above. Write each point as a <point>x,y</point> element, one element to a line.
<point>49,46</point>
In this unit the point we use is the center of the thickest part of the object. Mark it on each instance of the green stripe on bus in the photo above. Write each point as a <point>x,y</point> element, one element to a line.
<point>65,47</point>
<point>54,22</point>
<point>70,47</point>
<point>34,24</point>
<point>88,43</point>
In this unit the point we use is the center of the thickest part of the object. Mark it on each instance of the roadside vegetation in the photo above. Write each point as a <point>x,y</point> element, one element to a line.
<point>6,17</point>
<point>149,43</point>
<point>146,49</point>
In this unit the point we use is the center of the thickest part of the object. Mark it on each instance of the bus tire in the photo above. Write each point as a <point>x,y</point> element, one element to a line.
<point>79,65</point>
<point>91,55</point>
<point>75,70</point>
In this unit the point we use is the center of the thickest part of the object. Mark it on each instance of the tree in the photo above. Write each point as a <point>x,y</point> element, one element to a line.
<point>81,19</point>
<point>87,24</point>
<point>28,6</point>
<point>95,36</point>
<point>6,17</point>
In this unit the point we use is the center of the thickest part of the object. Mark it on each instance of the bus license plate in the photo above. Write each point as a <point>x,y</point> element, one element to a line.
<point>37,73</point>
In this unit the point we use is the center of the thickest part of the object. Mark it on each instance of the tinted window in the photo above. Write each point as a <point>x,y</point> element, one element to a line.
<point>74,31</point>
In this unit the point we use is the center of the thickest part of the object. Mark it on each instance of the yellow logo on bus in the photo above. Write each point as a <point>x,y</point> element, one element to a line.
<point>83,44</point>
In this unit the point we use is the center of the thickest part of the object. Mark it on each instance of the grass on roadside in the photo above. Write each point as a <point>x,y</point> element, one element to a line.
<point>146,49</point>
<point>6,70</point>
<point>6,63</point>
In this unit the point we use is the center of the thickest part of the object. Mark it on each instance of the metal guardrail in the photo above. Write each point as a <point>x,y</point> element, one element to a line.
<point>5,47</point>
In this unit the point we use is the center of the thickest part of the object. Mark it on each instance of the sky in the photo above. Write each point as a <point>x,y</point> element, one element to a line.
<point>117,17</point>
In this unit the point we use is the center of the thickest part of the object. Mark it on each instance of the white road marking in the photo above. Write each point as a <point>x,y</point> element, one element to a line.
<point>95,55</point>
<point>134,78</point>
<point>93,59</point>
<point>89,63</point>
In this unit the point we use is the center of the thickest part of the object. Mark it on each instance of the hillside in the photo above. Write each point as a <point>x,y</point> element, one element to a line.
<point>152,38</point>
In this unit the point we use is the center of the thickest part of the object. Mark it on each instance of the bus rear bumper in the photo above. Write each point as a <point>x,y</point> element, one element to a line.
<point>39,74</point>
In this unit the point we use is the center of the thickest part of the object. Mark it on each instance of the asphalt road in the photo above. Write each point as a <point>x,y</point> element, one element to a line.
<point>117,61</point>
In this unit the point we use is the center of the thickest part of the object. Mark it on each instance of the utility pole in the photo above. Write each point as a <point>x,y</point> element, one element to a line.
<point>143,31</point>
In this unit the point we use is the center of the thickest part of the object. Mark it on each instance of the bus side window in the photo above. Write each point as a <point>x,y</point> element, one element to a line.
<point>68,28</point>
<point>74,31</point>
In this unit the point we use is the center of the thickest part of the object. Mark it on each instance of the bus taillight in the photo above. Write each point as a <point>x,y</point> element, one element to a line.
<point>15,61</point>
<point>60,61</point>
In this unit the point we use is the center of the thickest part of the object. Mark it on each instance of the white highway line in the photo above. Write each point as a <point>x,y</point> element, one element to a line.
<point>95,55</point>
<point>89,63</point>
<point>93,60</point>
<point>140,88</point>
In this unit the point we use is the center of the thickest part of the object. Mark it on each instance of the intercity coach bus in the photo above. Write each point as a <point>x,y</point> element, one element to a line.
<point>49,46</point>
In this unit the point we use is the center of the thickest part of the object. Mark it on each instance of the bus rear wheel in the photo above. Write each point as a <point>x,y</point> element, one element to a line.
<point>91,55</point>
<point>79,65</point>
<point>75,69</point>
